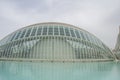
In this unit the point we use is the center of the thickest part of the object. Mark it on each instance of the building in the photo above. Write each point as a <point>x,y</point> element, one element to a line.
<point>53,41</point>
<point>116,51</point>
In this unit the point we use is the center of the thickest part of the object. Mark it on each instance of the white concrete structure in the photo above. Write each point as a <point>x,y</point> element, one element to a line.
<point>116,51</point>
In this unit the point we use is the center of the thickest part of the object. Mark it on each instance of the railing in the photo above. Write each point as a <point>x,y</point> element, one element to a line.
<point>55,60</point>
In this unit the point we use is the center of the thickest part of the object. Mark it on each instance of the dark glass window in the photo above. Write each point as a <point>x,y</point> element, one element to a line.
<point>13,36</point>
<point>33,32</point>
<point>28,32</point>
<point>39,31</point>
<point>87,37</point>
<point>90,38</point>
<point>83,37</point>
<point>56,30</point>
<point>18,35</point>
<point>77,34</point>
<point>50,32</point>
<point>44,31</point>
<point>23,33</point>
<point>72,33</point>
<point>61,31</point>
<point>67,32</point>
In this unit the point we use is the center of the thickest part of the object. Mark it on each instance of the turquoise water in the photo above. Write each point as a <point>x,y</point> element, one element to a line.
<point>59,71</point>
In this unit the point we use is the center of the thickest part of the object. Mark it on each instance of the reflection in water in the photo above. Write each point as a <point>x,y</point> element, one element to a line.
<point>59,71</point>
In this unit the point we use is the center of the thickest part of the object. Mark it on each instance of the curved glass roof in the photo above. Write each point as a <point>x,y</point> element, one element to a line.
<point>77,42</point>
<point>52,29</point>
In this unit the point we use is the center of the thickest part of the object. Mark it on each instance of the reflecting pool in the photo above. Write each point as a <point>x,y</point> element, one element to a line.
<point>59,71</point>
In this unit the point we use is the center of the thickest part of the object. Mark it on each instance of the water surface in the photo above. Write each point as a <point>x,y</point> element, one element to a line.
<point>59,71</point>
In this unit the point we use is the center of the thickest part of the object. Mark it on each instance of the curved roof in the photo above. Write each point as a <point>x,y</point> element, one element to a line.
<point>48,23</point>
<point>94,39</point>
<point>71,34</point>
<point>52,23</point>
<point>86,34</point>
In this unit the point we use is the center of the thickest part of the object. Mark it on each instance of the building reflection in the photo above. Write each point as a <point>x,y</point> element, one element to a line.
<point>56,71</point>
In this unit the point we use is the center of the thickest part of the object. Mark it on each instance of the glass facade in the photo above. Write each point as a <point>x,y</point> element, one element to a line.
<point>53,41</point>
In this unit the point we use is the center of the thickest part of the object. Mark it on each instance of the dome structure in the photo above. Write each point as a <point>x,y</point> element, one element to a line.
<point>53,41</point>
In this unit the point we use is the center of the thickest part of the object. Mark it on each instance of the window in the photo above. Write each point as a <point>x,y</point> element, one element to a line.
<point>61,31</point>
<point>56,30</point>
<point>13,36</point>
<point>87,37</point>
<point>33,32</point>
<point>44,31</point>
<point>23,33</point>
<point>28,32</point>
<point>72,33</point>
<point>67,32</point>
<point>50,32</point>
<point>90,38</point>
<point>82,35</point>
<point>77,34</point>
<point>39,31</point>
<point>18,35</point>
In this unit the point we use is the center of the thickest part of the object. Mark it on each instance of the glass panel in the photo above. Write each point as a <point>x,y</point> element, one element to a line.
<point>94,40</point>
<point>77,34</point>
<point>39,31</point>
<point>61,31</point>
<point>18,35</point>
<point>56,32</point>
<point>13,36</point>
<point>44,31</point>
<point>67,32</point>
<point>28,32</point>
<point>50,32</point>
<point>33,31</point>
<point>89,37</point>
<point>72,33</point>
<point>23,33</point>
<point>83,37</point>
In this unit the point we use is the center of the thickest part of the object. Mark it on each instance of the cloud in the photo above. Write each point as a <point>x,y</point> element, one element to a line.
<point>99,17</point>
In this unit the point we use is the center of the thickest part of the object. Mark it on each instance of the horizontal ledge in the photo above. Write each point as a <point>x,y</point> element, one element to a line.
<point>55,60</point>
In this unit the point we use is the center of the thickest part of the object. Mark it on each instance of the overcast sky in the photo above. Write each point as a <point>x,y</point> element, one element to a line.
<point>99,17</point>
